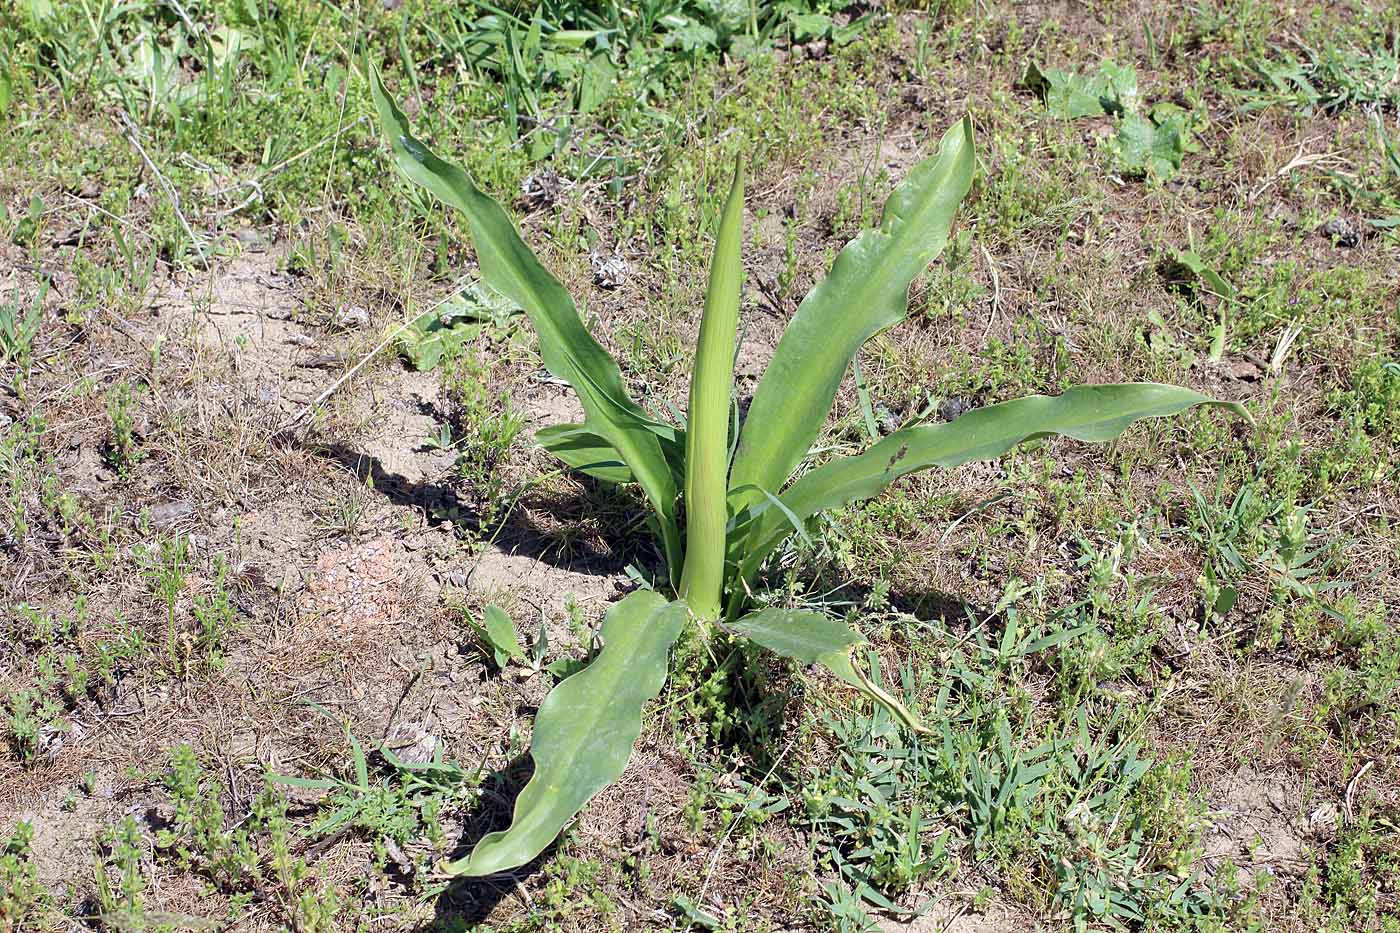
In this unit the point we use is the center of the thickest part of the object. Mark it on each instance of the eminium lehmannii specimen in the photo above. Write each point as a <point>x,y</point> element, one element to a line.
<point>739,502</point>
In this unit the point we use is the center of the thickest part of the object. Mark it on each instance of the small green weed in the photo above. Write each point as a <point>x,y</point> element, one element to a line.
<point>197,837</point>
<point>23,900</point>
<point>1354,888</point>
<point>397,804</point>
<point>121,884</point>
<point>1372,401</point>
<point>122,451</point>
<point>71,662</point>
<point>215,617</point>
<point>482,422</point>
<point>252,858</point>
<point>29,714</point>
<point>1361,695</point>
<point>343,510</point>
<point>19,326</point>
<point>870,815</point>
<point>1327,78</point>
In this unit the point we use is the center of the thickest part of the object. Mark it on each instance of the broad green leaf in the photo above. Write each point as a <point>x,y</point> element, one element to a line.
<point>807,27</point>
<point>500,635</point>
<point>694,915</point>
<point>1086,413</point>
<point>599,79</point>
<point>1157,145</point>
<point>1194,267</point>
<point>478,302</point>
<point>866,292</point>
<point>588,453</point>
<point>584,731</point>
<point>1192,263</point>
<point>584,451</point>
<point>428,339</point>
<point>1068,94</point>
<point>569,351</point>
<point>38,10</point>
<point>812,638</point>
<point>564,667</point>
<point>686,34</point>
<point>707,424</point>
<point>845,35</point>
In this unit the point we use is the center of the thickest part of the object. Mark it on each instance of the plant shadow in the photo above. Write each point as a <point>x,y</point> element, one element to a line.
<point>595,530</point>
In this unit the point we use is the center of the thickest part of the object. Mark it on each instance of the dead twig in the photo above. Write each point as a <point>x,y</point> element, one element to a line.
<point>132,134</point>
<point>1351,790</point>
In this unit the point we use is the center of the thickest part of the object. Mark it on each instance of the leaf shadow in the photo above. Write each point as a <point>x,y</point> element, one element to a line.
<point>543,526</point>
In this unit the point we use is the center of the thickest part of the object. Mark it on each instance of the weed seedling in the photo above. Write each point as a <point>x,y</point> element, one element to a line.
<point>22,898</point>
<point>122,451</point>
<point>18,329</point>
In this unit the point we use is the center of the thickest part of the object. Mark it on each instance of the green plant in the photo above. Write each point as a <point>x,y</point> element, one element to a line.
<point>738,504</point>
<point>870,813</point>
<point>396,808</point>
<point>197,837</point>
<point>122,452</point>
<point>1068,94</point>
<point>481,420</point>
<point>22,897</point>
<point>18,328</point>
<point>498,640</point>
<point>216,616</point>
<point>119,880</point>
<point>249,857</point>
<point>496,633</point>
<point>1328,79</point>
<point>1145,145</point>
<point>28,713</point>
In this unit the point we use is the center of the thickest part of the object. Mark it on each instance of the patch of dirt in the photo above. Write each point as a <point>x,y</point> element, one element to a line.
<point>248,313</point>
<point>1258,824</point>
<point>354,589</point>
<point>404,415</point>
<point>945,918</point>
<point>497,574</point>
<point>64,836</point>
<point>272,543</point>
<point>550,405</point>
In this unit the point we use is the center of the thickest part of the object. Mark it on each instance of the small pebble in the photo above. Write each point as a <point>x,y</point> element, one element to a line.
<point>1341,232</point>
<point>352,317</point>
<point>292,581</point>
<point>609,270</point>
<point>168,513</point>
<point>542,189</point>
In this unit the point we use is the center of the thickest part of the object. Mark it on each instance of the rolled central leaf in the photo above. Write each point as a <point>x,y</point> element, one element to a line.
<point>707,430</point>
